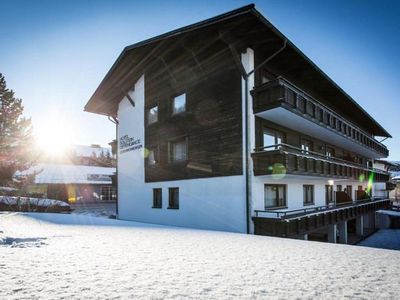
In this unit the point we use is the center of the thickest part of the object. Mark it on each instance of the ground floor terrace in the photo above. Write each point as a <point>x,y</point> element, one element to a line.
<point>74,192</point>
<point>345,223</point>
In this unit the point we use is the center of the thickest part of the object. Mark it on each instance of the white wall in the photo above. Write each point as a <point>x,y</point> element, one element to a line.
<point>294,190</point>
<point>216,203</point>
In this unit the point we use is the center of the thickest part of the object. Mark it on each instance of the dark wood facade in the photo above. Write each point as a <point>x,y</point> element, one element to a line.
<point>203,61</point>
<point>212,121</point>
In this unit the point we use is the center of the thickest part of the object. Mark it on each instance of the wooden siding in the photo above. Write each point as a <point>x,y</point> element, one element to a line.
<point>212,122</point>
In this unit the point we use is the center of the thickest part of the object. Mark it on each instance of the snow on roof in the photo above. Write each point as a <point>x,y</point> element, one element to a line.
<point>88,151</point>
<point>395,175</point>
<point>75,174</point>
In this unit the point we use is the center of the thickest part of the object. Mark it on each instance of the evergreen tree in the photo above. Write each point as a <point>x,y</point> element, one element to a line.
<point>15,135</point>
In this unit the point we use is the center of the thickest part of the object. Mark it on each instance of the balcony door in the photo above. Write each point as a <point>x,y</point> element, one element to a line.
<point>306,146</point>
<point>272,137</point>
<point>329,194</point>
<point>274,196</point>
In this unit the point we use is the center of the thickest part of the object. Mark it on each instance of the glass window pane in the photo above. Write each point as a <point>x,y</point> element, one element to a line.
<point>269,140</point>
<point>270,196</point>
<point>281,195</point>
<point>179,151</point>
<point>179,104</point>
<point>308,194</point>
<point>274,196</point>
<point>151,158</point>
<point>152,115</point>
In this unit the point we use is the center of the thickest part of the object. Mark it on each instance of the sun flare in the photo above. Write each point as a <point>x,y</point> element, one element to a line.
<point>54,139</point>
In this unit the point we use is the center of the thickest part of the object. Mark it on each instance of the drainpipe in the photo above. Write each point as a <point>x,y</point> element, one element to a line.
<point>246,137</point>
<point>114,120</point>
<point>247,150</point>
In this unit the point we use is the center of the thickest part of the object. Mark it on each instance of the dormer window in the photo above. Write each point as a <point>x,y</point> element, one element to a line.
<point>152,115</point>
<point>179,104</point>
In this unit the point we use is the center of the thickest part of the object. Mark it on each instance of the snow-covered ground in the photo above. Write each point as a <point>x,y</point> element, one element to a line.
<point>95,209</point>
<point>50,256</point>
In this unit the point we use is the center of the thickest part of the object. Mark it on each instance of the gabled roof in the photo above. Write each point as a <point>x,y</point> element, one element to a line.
<point>102,103</point>
<point>68,174</point>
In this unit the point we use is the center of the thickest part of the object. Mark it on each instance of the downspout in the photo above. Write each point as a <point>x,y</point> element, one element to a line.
<point>246,100</point>
<point>114,120</point>
<point>246,138</point>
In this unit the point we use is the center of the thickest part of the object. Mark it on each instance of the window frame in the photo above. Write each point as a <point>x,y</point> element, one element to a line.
<point>329,151</point>
<point>276,134</point>
<point>110,191</point>
<point>173,203</point>
<point>148,114</point>
<point>156,151</point>
<point>303,142</point>
<point>329,188</point>
<point>276,196</point>
<point>349,191</point>
<point>175,112</point>
<point>176,140</point>
<point>155,199</point>
<point>306,186</point>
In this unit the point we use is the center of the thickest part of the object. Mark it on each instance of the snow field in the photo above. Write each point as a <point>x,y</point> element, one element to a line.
<point>52,256</point>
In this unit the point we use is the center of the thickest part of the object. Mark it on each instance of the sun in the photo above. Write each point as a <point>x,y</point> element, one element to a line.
<point>54,139</point>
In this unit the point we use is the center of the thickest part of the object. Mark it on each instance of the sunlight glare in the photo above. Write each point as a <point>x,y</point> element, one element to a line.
<point>54,139</point>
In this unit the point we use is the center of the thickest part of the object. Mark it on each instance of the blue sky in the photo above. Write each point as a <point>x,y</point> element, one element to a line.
<point>55,53</point>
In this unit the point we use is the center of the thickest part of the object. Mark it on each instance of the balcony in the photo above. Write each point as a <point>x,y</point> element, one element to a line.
<point>282,159</point>
<point>291,223</point>
<point>281,102</point>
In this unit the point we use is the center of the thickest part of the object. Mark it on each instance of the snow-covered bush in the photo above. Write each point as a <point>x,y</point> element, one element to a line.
<point>12,203</point>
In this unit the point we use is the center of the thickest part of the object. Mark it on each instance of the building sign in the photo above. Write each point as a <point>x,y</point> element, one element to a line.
<point>127,143</point>
<point>99,177</point>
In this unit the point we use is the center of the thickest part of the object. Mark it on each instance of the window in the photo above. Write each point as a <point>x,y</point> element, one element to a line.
<point>360,188</point>
<point>152,115</point>
<point>274,195</point>
<point>272,137</point>
<point>178,150</point>
<point>152,157</point>
<point>306,146</point>
<point>173,201</point>
<point>349,191</point>
<point>108,193</point>
<point>339,188</point>
<point>157,198</point>
<point>329,152</point>
<point>308,194</point>
<point>179,104</point>
<point>329,194</point>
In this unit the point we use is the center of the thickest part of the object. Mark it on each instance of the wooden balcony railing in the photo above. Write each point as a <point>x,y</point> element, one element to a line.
<point>281,92</point>
<point>284,159</point>
<point>295,222</point>
<point>295,213</point>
